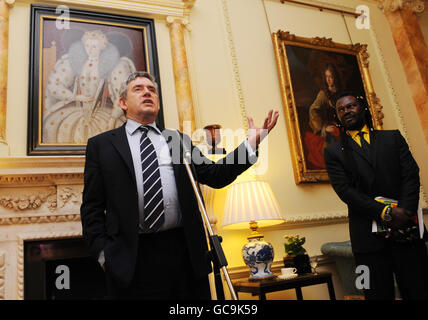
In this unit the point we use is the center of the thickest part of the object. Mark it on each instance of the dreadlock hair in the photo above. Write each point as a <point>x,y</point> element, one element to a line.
<point>344,141</point>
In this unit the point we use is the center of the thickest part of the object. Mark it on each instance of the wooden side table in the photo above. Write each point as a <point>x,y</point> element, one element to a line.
<point>261,287</point>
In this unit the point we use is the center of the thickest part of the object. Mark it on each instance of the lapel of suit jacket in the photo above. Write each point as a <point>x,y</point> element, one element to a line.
<point>120,142</point>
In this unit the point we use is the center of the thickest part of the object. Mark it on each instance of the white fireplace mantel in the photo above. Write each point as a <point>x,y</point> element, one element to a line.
<point>40,198</point>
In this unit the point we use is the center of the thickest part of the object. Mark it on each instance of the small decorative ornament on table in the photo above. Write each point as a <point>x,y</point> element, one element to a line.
<point>288,273</point>
<point>296,255</point>
<point>258,255</point>
<point>314,264</point>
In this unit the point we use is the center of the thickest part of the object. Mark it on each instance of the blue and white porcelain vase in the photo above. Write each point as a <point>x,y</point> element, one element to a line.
<point>258,256</point>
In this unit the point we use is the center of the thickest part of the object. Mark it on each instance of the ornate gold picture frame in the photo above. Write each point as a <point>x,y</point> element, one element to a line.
<point>312,72</point>
<point>78,62</point>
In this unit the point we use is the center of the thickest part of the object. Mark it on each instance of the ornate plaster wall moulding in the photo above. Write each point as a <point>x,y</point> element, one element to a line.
<point>67,178</point>
<point>41,179</point>
<point>317,218</point>
<point>29,199</point>
<point>24,179</point>
<point>311,219</point>
<point>19,220</point>
<point>70,195</point>
<point>416,6</point>
<point>235,66</point>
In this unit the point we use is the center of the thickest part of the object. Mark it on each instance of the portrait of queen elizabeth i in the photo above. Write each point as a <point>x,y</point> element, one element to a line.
<point>81,97</point>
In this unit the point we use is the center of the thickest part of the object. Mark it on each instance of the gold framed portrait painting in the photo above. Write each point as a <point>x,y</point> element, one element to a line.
<point>78,63</point>
<point>312,73</point>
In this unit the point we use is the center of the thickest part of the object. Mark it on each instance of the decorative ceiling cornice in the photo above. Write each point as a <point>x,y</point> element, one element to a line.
<point>179,8</point>
<point>416,6</point>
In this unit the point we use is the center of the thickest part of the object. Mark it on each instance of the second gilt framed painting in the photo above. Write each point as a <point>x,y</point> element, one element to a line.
<point>78,62</point>
<point>312,73</point>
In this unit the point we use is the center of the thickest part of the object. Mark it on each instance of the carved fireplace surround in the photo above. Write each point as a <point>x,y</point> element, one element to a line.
<point>39,199</point>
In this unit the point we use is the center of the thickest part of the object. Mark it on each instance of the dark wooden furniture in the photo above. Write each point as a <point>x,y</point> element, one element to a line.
<point>261,287</point>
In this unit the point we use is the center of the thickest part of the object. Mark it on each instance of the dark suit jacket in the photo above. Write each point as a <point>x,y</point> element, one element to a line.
<point>109,208</point>
<point>391,172</point>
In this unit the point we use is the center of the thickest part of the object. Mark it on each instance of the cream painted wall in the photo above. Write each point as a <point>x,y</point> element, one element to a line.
<point>17,87</point>
<point>217,101</point>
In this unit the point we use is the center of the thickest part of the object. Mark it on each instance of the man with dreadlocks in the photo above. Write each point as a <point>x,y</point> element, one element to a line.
<point>367,163</point>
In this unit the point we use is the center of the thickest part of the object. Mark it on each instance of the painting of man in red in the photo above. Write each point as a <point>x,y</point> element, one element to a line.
<point>322,118</point>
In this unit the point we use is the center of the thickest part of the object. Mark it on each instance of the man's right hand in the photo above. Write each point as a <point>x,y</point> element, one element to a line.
<point>401,218</point>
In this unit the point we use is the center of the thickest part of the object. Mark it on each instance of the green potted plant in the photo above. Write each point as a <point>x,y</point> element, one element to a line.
<point>295,254</point>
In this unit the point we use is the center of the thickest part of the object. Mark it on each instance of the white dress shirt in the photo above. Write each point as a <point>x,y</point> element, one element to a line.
<point>169,188</point>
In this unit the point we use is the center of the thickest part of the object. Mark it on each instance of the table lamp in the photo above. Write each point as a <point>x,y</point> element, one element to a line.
<point>252,203</point>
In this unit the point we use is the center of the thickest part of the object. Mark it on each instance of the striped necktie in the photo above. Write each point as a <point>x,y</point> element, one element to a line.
<point>153,198</point>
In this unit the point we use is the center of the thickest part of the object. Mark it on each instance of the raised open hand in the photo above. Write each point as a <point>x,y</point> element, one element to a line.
<point>255,134</point>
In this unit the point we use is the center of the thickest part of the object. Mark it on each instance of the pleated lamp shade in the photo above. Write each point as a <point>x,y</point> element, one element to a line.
<point>250,201</point>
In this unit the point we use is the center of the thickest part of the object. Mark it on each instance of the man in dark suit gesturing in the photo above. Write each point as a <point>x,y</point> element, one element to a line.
<point>367,163</point>
<point>139,213</point>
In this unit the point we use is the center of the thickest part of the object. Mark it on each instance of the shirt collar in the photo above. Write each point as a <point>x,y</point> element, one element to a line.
<point>132,126</point>
<point>354,133</point>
